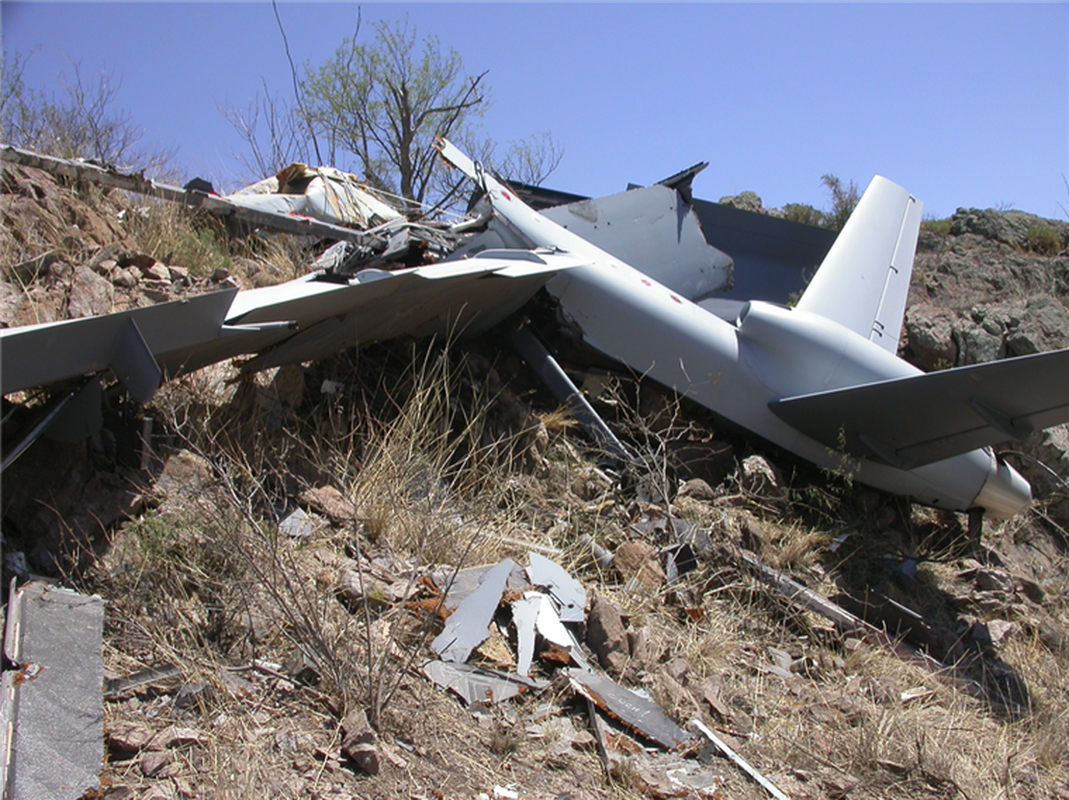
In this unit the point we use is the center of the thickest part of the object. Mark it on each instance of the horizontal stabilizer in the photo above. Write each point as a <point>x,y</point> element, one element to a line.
<point>913,421</point>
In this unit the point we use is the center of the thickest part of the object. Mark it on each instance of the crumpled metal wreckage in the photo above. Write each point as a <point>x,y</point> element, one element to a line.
<point>632,278</point>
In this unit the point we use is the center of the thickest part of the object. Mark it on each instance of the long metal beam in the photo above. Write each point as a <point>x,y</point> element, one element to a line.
<point>220,206</point>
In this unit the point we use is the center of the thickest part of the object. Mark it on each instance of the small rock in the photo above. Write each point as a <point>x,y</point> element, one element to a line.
<point>90,295</point>
<point>175,737</point>
<point>697,489</point>
<point>752,535</point>
<point>178,274</point>
<point>360,742</point>
<point>590,484</point>
<point>1054,636</point>
<point>193,694</point>
<point>839,786</point>
<point>677,700</point>
<point>105,267</point>
<point>158,272</point>
<point>329,502</point>
<point>678,668</point>
<point>1032,590</point>
<point>640,561</point>
<point>606,635</point>
<point>127,737</point>
<point>237,686</point>
<point>353,586</point>
<point>126,278</point>
<point>161,791</point>
<point>994,632</point>
<point>994,580</point>
<point>139,260</point>
<point>153,762</point>
<point>118,792</point>
<point>710,693</point>
<point>220,275</point>
<point>758,477</point>
<point>184,788</point>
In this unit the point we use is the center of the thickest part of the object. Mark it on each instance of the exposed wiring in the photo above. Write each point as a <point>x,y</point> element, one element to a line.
<point>1038,463</point>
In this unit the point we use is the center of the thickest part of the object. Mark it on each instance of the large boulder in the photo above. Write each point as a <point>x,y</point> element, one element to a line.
<point>1015,228</point>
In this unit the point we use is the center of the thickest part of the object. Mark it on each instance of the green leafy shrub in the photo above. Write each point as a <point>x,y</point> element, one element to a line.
<point>1042,238</point>
<point>803,213</point>
<point>940,227</point>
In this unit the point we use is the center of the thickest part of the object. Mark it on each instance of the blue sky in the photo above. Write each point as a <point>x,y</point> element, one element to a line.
<point>963,104</point>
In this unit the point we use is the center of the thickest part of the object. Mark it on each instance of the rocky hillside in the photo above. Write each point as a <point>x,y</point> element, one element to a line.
<point>277,556</point>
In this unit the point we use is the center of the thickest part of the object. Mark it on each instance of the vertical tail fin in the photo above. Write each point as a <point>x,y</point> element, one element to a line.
<point>864,280</point>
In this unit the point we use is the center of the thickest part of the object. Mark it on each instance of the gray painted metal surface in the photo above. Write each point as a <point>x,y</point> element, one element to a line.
<point>657,233</point>
<point>452,298</point>
<point>568,594</point>
<point>774,258</point>
<point>634,711</point>
<point>38,355</point>
<point>774,353</point>
<point>468,626</point>
<point>479,686</point>
<point>538,358</point>
<point>965,408</point>
<point>53,702</point>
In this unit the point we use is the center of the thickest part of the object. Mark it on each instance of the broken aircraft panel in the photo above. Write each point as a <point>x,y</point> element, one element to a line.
<point>632,710</point>
<point>92,344</point>
<point>650,228</point>
<point>468,626</point>
<point>52,709</point>
<point>479,686</point>
<point>322,193</point>
<point>534,613</point>
<point>312,316</point>
<point>568,594</point>
<point>456,586</point>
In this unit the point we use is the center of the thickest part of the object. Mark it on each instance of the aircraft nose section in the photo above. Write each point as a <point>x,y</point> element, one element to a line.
<point>1005,492</point>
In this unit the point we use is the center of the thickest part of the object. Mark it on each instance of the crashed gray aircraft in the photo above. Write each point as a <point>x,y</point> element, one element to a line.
<point>821,380</point>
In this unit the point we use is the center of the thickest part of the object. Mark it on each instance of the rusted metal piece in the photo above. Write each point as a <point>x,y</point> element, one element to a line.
<point>635,712</point>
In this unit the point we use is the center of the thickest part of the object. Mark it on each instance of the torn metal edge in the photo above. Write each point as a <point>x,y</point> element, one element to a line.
<point>738,760</point>
<point>636,712</point>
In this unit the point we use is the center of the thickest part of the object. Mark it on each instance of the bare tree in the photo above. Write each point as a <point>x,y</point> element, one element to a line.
<point>386,102</point>
<point>272,132</point>
<point>82,124</point>
<point>376,109</point>
<point>530,160</point>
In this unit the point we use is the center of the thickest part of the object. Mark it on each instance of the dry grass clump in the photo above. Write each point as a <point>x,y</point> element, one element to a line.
<point>176,235</point>
<point>210,578</point>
